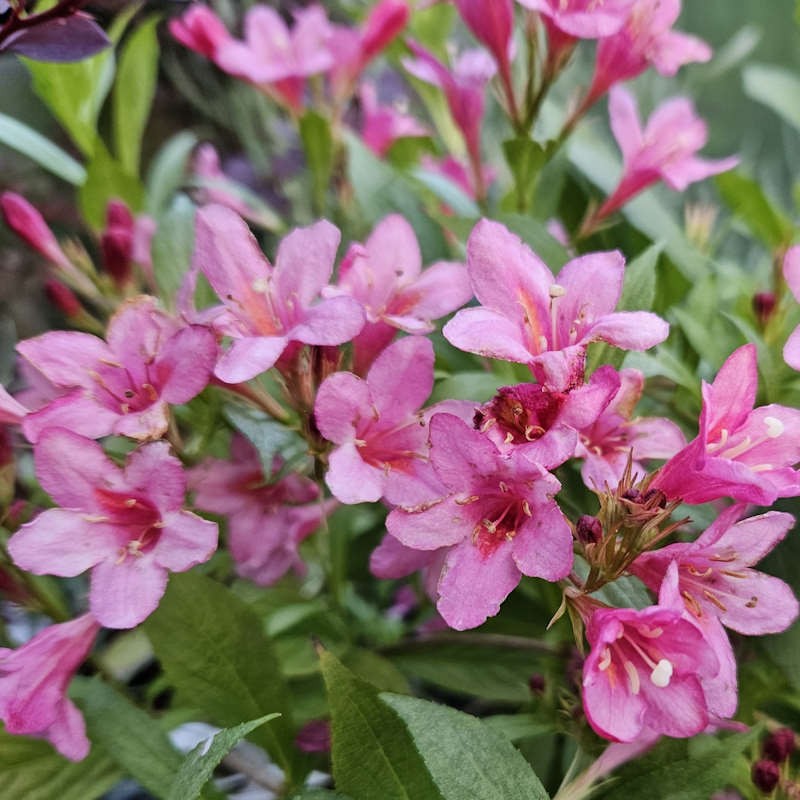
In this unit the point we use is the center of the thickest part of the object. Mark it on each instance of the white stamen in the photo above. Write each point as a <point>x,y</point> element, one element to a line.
<point>633,677</point>
<point>774,427</point>
<point>260,285</point>
<point>605,660</point>
<point>557,291</point>
<point>662,674</point>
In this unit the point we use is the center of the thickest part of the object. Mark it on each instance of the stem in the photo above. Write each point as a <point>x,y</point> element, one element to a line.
<point>259,398</point>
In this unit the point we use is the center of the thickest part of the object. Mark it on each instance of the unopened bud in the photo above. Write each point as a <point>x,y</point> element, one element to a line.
<point>778,746</point>
<point>763,306</point>
<point>765,775</point>
<point>118,215</point>
<point>117,247</point>
<point>634,495</point>
<point>537,683</point>
<point>30,226</point>
<point>63,298</point>
<point>588,530</point>
<point>314,737</point>
<point>654,497</point>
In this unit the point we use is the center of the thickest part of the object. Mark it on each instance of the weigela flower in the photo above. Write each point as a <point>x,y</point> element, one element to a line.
<point>201,30</point>
<point>644,674</point>
<point>529,317</point>
<point>383,125</point>
<point>498,521</point>
<point>791,273</point>
<point>123,385</point>
<point>740,452</point>
<point>583,19</point>
<point>264,308</point>
<point>646,39</point>
<point>12,412</point>
<point>33,686</point>
<point>606,443</point>
<point>268,516</point>
<point>665,150</point>
<point>385,276</point>
<point>379,432</point>
<point>127,525</point>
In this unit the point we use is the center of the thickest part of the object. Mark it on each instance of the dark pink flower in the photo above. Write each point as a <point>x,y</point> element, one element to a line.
<point>268,516</point>
<point>33,686</point>
<point>127,525</point>
<point>791,273</point>
<point>496,522</point>
<point>382,125</point>
<point>122,385</point>
<point>646,39</point>
<point>608,442</point>
<point>264,308</point>
<point>201,30</point>
<point>665,150</point>
<point>583,19</point>
<point>644,672</point>
<point>740,452</point>
<point>385,276</point>
<point>30,226</point>
<point>528,316</point>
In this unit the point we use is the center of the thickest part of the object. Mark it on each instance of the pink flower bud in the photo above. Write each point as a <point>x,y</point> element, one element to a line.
<point>589,530</point>
<point>778,746</point>
<point>765,775</point>
<point>30,226</point>
<point>385,21</point>
<point>63,298</point>
<point>763,305</point>
<point>201,30</point>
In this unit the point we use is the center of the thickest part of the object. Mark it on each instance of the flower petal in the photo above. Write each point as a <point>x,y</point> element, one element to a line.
<point>185,540</point>
<point>124,593</point>
<point>487,333</point>
<point>248,357</point>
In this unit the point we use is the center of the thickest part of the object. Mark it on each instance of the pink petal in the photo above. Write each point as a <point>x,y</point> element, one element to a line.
<point>542,547</point>
<point>351,479</point>
<point>185,364</point>
<point>152,423</point>
<point>721,691</point>
<point>625,124</point>
<point>56,456</point>
<point>472,586</point>
<point>342,400</point>
<point>151,471</point>
<point>439,525</point>
<point>330,322</point>
<point>440,290</point>
<point>125,593</point>
<point>391,559</point>
<point>654,437</point>
<point>61,542</point>
<point>678,710</point>
<point>487,333</point>
<point>185,540</point>
<point>689,170</point>
<point>67,733</point>
<point>630,330</point>
<point>791,350</point>
<point>65,357</point>
<point>11,412</point>
<point>459,453</point>
<point>76,411</point>
<point>751,539</point>
<point>612,710</point>
<point>757,604</point>
<point>248,357</point>
<point>791,270</point>
<point>731,397</point>
<point>401,378</point>
<point>672,50</point>
<point>393,252</point>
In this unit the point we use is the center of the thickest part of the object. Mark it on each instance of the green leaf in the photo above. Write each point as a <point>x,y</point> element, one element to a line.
<point>213,650</point>
<point>133,738</point>
<point>167,171</point>
<point>33,145</point>
<point>680,769</point>
<point>198,767</point>
<point>31,769</point>
<point>748,201</point>
<point>448,192</point>
<point>639,288</point>
<point>464,757</point>
<point>319,794</point>
<point>107,179</point>
<point>525,159</point>
<point>516,727</point>
<point>373,755</point>
<point>133,93</point>
<point>776,88</point>
<point>315,133</point>
<point>172,248</point>
<point>475,386</point>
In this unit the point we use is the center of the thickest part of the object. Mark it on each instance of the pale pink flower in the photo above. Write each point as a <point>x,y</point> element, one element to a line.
<point>664,150</point>
<point>740,452</point>
<point>791,273</point>
<point>496,522</point>
<point>33,686</point>
<point>382,125</point>
<point>583,19</point>
<point>127,525</point>
<point>647,39</point>
<point>607,443</point>
<point>529,316</point>
<point>385,276</point>
<point>266,309</point>
<point>268,516</point>
<point>123,385</point>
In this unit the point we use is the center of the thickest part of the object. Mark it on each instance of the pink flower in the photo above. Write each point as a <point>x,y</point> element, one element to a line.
<point>646,39</point>
<point>381,436</point>
<point>381,125</point>
<point>33,686</point>
<point>201,30</point>
<point>464,88</point>
<point>498,521</point>
<point>740,452</point>
<point>665,150</point>
<point>583,19</point>
<point>122,385</point>
<point>644,674</point>
<point>459,173</point>
<point>791,273</point>
<point>715,575</point>
<point>266,308</point>
<point>12,412</point>
<point>30,226</point>
<point>529,317</point>
<point>127,525</point>
<point>606,443</point>
<point>268,516</point>
<point>385,276</point>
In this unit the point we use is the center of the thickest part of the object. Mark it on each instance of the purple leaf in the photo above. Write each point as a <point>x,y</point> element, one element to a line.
<point>71,39</point>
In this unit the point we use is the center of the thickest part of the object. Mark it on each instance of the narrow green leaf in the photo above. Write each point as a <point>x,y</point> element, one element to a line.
<point>133,93</point>
<point>477,386</point>
<point>172,248</point>
<point>31,769</point>
<point>776,88</point>
<point>639,288</point>
<point>525,159</point>
<point>448,192</point>
<point>464,757</point>
<point>315,133</point>
<point>516,727</point>
<point>133,739</point>
<point>214,652</point>
<point>199,765</point>
<point>33,145</point>
<point>167,171</point>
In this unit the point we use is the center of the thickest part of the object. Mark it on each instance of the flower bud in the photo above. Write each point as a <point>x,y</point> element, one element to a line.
<point>63,298</point>
<point>588,530</point>
<point>314,737</point>
<point>779,745</point>
<point>765,775</point>
<point>537,683</point>
<point>30,226</point>
<point>763,306</point>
